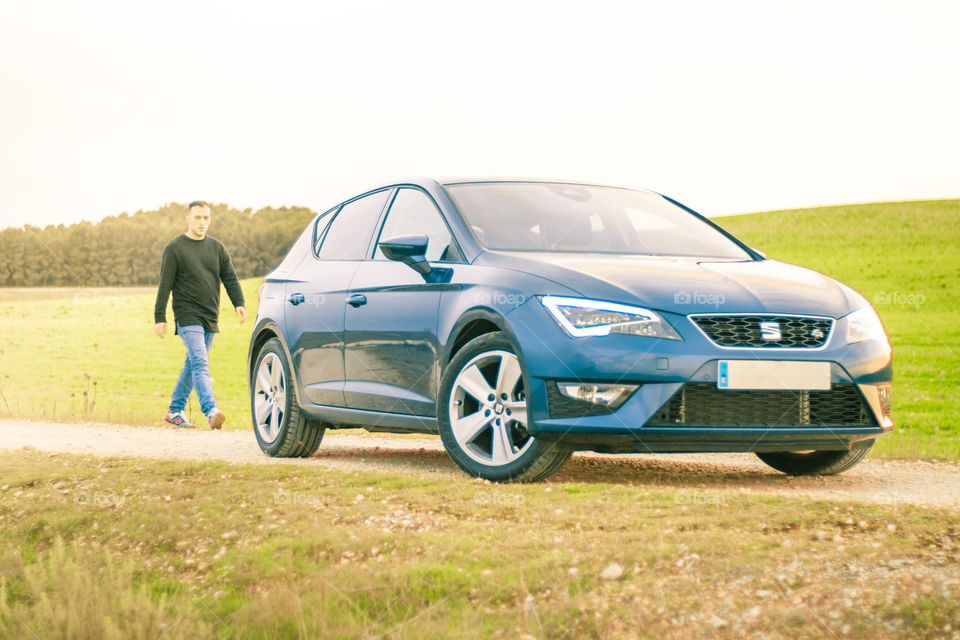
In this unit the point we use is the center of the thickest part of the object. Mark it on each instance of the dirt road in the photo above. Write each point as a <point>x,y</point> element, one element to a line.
<point>933,484</point>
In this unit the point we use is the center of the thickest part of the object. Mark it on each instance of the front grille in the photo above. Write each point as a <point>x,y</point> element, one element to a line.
<point>745,331</point>
<point>703,404</point>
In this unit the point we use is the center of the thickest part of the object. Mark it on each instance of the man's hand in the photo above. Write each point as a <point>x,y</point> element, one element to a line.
<point>242,314</point>
<point>160,329</point>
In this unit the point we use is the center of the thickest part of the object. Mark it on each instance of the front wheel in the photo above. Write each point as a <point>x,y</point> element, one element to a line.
<point>281,428</point>
<point>484,417</point>
<point>814,463</point>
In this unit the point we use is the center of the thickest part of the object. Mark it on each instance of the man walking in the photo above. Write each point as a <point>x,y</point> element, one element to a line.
<point>193,266</point>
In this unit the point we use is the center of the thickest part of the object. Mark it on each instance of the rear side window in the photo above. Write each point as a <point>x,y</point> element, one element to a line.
<point>348,236</point>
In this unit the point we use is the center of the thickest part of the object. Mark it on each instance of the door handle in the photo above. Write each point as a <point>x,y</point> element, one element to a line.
<point>357,300</point>
<point>296,298</point>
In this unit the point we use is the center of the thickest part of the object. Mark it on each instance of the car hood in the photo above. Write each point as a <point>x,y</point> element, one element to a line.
<point>689,285</point>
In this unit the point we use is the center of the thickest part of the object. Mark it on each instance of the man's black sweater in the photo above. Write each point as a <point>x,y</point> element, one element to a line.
<point>193,270</point>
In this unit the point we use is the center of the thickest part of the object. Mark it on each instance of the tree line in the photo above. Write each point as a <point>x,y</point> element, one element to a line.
<point>126,249</point>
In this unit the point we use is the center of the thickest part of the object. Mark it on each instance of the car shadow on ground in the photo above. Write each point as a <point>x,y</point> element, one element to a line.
<point>402,460</point>
<point>668,473</point>
<point>633,471</point>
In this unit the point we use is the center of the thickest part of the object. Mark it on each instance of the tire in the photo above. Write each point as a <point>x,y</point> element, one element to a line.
<point>814,463</point>
<point>282,430</point>
<point>487,437</point>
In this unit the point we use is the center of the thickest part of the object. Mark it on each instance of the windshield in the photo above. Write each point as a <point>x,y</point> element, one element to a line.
<point>543,216</point>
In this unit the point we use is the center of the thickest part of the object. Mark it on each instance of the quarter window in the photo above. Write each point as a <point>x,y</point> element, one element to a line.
<point>320,228</point>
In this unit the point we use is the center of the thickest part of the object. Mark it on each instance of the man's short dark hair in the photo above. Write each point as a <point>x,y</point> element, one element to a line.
<point>199,203</point>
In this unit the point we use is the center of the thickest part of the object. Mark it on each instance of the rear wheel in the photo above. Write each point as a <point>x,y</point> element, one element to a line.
<point>814,463</point>
<point>484,417</point>
<point>281,428</point>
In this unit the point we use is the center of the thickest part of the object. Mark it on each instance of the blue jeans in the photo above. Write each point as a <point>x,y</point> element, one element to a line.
<point>196,370</point>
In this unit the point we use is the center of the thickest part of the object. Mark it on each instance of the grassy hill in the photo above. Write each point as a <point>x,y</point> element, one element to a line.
<point>90,354</point>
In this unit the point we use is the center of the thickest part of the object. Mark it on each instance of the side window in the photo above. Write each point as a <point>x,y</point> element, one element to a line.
<point>348,236</point>
<point>413,212</point>
<point>320,228</point>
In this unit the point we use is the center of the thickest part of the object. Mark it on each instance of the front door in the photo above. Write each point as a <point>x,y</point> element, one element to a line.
<point>390,338</point>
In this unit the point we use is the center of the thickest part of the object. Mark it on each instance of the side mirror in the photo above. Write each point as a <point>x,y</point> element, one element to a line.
<point>410,250</point>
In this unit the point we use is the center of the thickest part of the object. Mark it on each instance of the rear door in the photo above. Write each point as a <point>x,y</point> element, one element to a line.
<point>316,294</point>
<point>390,342</point>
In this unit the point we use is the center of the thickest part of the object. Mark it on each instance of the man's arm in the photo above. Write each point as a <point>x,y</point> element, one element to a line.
<point>232,284</point>
<point>168,273</point>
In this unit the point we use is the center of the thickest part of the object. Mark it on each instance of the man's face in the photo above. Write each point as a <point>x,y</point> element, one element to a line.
<point>198,220</point>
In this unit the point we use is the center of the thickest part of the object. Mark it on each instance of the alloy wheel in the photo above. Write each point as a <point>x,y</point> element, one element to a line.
<point>270,397</point>
<point>488,409</point>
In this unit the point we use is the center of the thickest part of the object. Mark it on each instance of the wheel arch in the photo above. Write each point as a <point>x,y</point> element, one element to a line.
<point>472,324</point>
<point>265,332</point>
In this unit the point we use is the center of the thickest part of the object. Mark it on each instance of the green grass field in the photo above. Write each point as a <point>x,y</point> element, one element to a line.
<point>90,354</point>
<point>109,548</point>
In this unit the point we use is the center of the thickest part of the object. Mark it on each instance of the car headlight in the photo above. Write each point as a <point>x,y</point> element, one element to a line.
<point>581,317</point>
<point>864,324</point>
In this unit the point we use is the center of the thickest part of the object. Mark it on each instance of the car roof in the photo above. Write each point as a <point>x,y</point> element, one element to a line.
<point>429,182</point>
<point>447,181</point>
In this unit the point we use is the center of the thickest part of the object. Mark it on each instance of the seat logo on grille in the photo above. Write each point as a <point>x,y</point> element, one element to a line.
<point>770,331</point>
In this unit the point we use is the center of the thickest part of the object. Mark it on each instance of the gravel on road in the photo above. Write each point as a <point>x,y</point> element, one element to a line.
<point>922,483</point>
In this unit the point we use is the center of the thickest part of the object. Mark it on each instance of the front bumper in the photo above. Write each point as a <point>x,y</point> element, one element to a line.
<point>785,421</point>
<point>665,369</point>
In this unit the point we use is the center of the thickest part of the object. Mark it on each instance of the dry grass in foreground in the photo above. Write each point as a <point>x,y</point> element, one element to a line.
<point>95,548</point>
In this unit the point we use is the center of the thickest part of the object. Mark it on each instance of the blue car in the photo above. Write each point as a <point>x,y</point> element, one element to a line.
<point>522,320</point>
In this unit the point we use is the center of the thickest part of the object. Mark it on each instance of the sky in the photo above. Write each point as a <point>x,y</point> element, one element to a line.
<point>729,107</point>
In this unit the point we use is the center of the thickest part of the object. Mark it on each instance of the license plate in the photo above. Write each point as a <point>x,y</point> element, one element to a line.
<point>773,375</point>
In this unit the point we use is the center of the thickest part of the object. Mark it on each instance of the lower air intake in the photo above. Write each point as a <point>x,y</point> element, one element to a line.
<point>702,404</point>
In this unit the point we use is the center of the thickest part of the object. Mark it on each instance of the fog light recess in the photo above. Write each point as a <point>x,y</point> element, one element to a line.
<point>885,394</point>
<point>605,395</point>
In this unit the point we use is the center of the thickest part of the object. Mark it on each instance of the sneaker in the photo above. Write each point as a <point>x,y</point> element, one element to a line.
<point>178,419</point>
<point>216,418</point>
